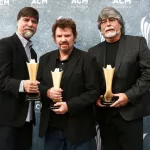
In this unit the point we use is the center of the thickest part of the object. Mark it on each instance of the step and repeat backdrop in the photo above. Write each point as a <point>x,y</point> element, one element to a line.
<point>136,14</point>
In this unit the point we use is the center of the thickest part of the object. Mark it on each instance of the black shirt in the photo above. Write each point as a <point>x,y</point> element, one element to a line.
<point>111,53</point>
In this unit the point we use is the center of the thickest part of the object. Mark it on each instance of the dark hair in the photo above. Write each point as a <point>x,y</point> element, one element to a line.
<point>28,11</point>
<point>110,12</point>
<point>63,23</point>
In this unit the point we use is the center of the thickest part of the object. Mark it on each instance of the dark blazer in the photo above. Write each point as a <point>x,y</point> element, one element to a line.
<point>13,69</point>
<point>80,91</point>
<point>132,75</point>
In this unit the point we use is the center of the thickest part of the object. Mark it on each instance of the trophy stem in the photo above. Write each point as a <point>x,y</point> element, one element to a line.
<point>108,97</point>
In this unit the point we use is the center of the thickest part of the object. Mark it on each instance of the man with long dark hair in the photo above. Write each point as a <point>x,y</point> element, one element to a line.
<point>121,124</point>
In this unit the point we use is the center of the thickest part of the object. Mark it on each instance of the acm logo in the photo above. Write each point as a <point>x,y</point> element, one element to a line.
<point>38,2</point>
<point>79,2</point>
<point>121,1</point>
<point>4,2</point>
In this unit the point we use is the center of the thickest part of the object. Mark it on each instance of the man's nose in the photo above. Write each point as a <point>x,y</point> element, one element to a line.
<point>107,22</point>
<point>30,23</point>
<point>63,38</point>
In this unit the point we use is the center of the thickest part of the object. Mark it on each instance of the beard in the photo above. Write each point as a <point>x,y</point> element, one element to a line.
<point>28,34</point>
<point>111,34</point>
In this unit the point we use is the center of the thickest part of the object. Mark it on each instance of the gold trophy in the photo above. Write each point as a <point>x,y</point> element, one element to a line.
<point>32,69</point>
<point>56,77</point>
<point>108,97</point>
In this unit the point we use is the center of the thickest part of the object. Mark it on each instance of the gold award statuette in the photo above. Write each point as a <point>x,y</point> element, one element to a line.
<point>108,97</point>
<point>56,77</point>
<point>32,70</point>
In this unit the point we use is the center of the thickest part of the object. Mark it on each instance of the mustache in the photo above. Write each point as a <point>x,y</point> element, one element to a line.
<point>31,29</point>
<point>64,43</point>
<point>109,28</point>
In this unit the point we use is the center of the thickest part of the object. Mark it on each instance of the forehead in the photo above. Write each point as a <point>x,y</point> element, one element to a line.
<point>27,17</point>
<point>109,18</point>
<point>63,30</point>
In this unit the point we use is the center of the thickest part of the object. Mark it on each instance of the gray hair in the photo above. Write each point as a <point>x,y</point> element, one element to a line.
<point>110,12</point>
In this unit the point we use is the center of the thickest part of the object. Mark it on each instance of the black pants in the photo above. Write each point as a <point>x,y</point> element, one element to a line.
<point>119,134</point>
<point>16,138</point>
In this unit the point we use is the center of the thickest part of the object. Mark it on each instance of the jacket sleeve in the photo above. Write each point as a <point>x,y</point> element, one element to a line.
<point>142,84</point>
<point>7,82</point>
<point>92,88</point>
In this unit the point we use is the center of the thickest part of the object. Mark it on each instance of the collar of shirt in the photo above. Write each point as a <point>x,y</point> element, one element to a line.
<point>24,42</point>
<point>58,56</point>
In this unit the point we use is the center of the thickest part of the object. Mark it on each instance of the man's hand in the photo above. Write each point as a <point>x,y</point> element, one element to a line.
<point>63,108</point>
<point>55,94</point>
<point>31,86</point>
<point>122,100</point>
<point>98,102</point>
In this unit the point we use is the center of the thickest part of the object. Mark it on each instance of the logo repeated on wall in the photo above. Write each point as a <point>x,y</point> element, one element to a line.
<point>39,3</point>
<point>122,3</point>
<point>145,28</point>
<point>4,4</point>
<point>82,4</point>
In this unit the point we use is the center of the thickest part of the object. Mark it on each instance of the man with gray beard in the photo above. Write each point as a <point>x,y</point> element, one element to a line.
<point>16,113</point>
<point>121,123</point>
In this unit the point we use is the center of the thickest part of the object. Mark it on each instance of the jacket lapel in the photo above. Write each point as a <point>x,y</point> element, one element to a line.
<point>73,59</point>
<point>19,47</point>
<point>103,54</point>
<point>52,64</point>
<point>121,50</point>
<point>100,55</point>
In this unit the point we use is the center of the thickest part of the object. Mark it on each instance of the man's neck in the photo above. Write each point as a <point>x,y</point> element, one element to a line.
<point>64,55</point>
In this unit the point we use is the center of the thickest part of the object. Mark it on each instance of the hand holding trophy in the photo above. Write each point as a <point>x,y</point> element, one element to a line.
<point>32,69</point>
<point>108,97</point>
<point>56,77</point>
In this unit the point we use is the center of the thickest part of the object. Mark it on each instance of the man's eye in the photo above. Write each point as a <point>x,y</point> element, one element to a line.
<point>34,21</point>
<point>103,21</point>
<point>112,19</point>
<point>26,19</point>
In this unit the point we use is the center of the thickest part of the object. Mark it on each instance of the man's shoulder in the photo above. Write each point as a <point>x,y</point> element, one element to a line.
<point>81,52</point>
<point>96,47</point>
<point>85,56</point>
<point>9,39</point>
<point>8,43</point>
<point>133,38</point>
<point>6,39</point>
<point>49,54</point>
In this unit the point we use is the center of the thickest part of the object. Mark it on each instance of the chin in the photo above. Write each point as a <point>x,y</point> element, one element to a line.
<point>28,35</point>
<point>110,35</point>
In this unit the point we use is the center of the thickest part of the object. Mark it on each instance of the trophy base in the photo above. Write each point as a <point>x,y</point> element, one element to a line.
<point>110,102</point>
<point>33,97</point>
<point>53,107</point>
